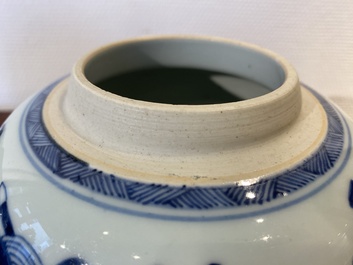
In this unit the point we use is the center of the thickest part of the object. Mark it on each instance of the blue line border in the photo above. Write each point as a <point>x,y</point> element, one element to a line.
<point>176,217</point>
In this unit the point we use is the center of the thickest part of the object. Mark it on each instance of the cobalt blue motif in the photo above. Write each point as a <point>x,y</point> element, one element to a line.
<point>73,261</point>
<point>67,167</point>
<point>350,194</point>
<point>15,249</point>
<point>2,129</point>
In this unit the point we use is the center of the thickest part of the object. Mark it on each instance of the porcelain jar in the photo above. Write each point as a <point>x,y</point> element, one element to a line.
<point>93,177</point>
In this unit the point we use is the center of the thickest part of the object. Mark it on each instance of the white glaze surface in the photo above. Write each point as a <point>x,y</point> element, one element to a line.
<point>311,224</point>
<point>61,225</point>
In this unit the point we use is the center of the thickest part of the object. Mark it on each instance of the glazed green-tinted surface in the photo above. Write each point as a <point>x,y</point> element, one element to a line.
<point>172,86</point>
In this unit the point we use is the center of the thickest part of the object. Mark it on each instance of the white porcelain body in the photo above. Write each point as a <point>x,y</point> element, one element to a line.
<point>313,225</point>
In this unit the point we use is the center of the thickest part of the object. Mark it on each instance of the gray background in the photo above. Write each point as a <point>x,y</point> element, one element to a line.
<point>40,40</point>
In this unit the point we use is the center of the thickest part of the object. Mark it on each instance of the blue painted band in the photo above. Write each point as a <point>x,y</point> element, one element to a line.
<point>63,166</point>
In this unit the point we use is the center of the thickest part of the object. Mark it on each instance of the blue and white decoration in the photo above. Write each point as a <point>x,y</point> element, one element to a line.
<point>193,203</point>
<point>1,129</point>
<point>350,194</point>
<point>15,249</point>
<point>178,203</point>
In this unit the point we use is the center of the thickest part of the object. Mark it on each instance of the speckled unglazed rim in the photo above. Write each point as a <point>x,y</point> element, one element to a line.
<point>277,121</point>
<point>184,203</point>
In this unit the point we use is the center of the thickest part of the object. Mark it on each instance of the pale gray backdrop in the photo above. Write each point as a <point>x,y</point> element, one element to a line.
<point>40,40</point>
